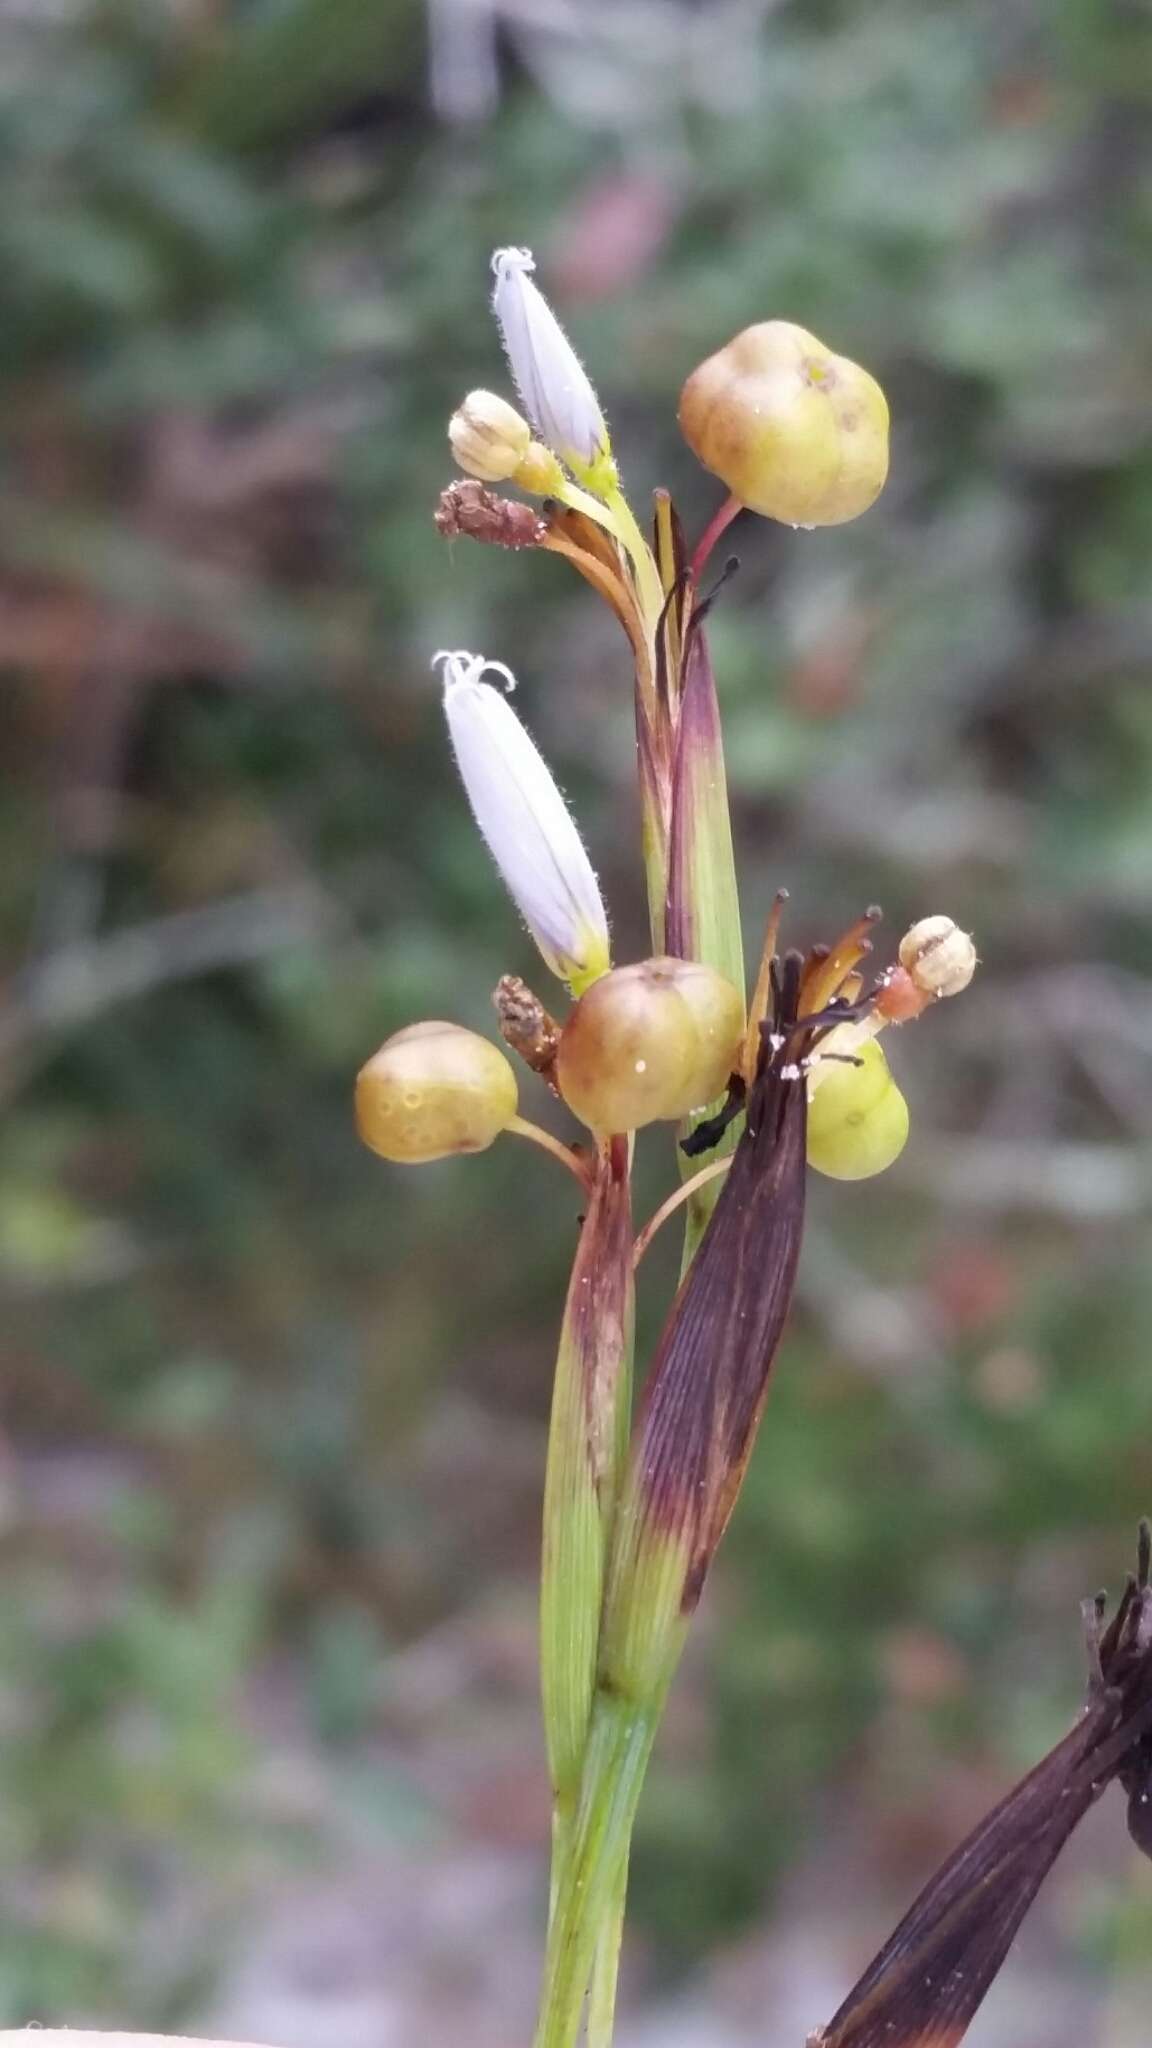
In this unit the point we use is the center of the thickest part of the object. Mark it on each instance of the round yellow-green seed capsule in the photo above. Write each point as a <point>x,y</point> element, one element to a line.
<point>649,1042</point>
<point>718,1013</point>
<point>796,432</point>
<point>434,1089</point>
<point>857,1117</point>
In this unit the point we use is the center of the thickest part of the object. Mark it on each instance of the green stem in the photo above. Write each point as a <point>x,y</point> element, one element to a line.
<point>606,1967</point>
<point>640,555</point>
<point>572,1579</point>
<point>587,1448</point>
<point>620,1737</point>
<point>703,915</point>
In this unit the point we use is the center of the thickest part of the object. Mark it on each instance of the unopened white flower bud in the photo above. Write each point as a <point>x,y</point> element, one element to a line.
<point>489,437</point>
<point>939,958</point>
<point>554,386</point>
<point>525,822</point>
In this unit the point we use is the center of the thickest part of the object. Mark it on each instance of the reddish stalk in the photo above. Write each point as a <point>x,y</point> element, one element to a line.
<point>720,520</point>
<point>682,1194</point>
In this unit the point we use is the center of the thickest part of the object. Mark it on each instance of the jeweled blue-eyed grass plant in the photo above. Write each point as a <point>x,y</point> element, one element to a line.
<point>634,1510</point>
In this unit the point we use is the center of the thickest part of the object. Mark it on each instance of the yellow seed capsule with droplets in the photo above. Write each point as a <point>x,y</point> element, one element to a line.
<point>434,1089</point>
<point>796,432</point>
<point>857,1117</point>
<point>648,1043</point>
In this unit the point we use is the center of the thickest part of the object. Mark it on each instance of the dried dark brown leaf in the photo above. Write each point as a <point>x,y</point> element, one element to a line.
<point>709,1378</point>
<point>926,1984</point>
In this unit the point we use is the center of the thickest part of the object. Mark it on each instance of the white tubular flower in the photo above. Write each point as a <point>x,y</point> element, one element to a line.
<point>552,382</point>
<point>525,822</point>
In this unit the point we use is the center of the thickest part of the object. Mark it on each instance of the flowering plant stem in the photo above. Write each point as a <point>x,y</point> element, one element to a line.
<point>587,1445</point>
<point>601,2017</point>
<point>588,1907</point>
<point>633,1512</point>
<point>694,914</point>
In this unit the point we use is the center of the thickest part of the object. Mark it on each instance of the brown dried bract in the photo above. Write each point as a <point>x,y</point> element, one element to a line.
<point>526,1025</point>
<point>925,1986</point>
<point>470,509</point>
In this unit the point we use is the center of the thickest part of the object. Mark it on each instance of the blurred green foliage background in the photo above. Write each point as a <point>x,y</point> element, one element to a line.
<point>274,1412</point>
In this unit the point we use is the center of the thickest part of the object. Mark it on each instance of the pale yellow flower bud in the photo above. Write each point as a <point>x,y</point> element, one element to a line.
<point>796,433</point>
<point>539,472</point>
<point>489,437</point>
<point>939,958</point>
<point>434,1089</point>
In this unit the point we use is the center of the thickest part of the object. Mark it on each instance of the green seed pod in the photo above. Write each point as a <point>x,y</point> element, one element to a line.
<point>649,1042</point>
<point>431,1090</point>
<point>718,1013</point>
<point>857,1117</point>
<point>796,433</point>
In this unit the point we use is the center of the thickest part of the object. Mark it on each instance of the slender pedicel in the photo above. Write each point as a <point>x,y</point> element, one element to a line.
<point>675,1201</point>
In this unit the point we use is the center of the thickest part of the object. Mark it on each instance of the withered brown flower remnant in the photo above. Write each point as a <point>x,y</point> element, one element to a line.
<point>468,510</point>
<point>526,1025</point>
<point>924,1988</point>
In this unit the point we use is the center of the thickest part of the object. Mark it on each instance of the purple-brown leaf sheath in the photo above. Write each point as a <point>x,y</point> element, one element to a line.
<point>710,1375</point>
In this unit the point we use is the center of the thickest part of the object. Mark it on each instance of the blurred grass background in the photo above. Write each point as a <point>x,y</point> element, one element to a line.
<point>273,1412</point>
